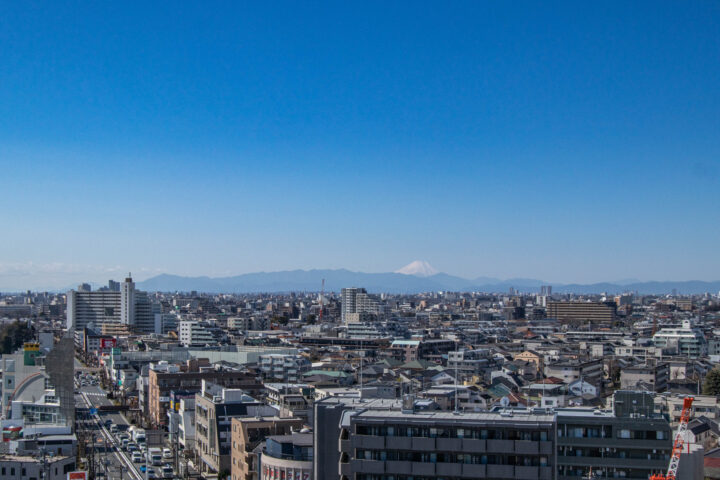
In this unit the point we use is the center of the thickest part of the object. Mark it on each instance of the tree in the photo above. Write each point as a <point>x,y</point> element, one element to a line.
<point>13,335</point>
<point>712,382</point>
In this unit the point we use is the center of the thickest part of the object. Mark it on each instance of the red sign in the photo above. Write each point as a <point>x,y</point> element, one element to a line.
<point>107,343</point>
<point>80,475</point>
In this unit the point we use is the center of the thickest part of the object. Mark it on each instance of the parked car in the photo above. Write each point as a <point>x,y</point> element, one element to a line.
<point>137,457</point>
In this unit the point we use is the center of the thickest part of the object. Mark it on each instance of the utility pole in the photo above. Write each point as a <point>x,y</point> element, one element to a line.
<point>176,446</point>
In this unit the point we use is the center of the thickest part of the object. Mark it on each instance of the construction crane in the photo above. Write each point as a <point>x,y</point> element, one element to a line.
<point>679,442</point>
<point>322,301</point>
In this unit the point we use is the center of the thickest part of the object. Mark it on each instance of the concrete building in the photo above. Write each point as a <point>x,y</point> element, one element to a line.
<point>355,302</point>
<point>215,406</point>
<point>192,333</point>
<point>630,441</point>
<point>385,444</point>
<point>283,368</point>
<point>583,312</point>
<point>248,323</point>
<point>287,456</point>
<point>687,340</point>
<point>248,433</point>
<point>654,376</point>
<point>109,309</point>
<point>26,467</point>
<point>569,371</point>
<point>164,378</point>
<point>23,380</point>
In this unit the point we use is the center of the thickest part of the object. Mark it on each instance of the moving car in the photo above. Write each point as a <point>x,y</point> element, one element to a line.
<point>167,472</point>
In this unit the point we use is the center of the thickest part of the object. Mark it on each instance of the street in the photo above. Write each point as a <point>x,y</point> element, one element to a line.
<point>114,459</point>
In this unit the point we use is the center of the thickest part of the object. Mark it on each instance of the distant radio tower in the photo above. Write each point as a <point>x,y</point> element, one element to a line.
<point>322,301</point>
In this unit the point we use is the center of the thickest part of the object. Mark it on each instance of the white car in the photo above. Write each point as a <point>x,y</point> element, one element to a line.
<point>167,472</point>
<point>137,457</point>
<point>167,454</point>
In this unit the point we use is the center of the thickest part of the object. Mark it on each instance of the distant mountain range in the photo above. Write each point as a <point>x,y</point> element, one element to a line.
<point>422,281</point>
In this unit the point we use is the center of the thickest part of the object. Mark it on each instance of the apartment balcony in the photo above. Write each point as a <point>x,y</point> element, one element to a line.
<point>367,466</point>
<point>398,443</point>
<point>547,447</point>
<point>612,462</point>
<point>501,471</point>
<point>545,473</point>
<point>423,444</point>
<point>617,442</point>
<point>526,447</point>
<point>345,446</point>
<point>501,446</point>
<point>398,467</point>
<point>448,444</point>
<point>423,468</point>
<point>448,469</point>
<point>473,445</point>
<point>367,441</point>
<point>526,473</point>
<point>474,471</point>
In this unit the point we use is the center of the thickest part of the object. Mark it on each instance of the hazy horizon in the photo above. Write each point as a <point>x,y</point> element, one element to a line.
<point>61,277</point>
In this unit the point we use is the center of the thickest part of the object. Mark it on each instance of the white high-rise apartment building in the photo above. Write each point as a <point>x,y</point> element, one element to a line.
<point>127,301</point>
<point>357,301</point>
<point>124,305</point>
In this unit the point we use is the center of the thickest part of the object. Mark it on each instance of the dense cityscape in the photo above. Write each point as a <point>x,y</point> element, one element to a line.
<point>406,240</point>
<point>123,383</point>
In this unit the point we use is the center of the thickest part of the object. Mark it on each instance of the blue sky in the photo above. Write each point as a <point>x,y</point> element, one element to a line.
<point>567,142</point>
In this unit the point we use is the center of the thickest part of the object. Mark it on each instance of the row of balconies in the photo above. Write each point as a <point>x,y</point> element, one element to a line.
<point>461,445</point>
<point>612,462</point>
<point>613,442</point>
<point>463,470</point>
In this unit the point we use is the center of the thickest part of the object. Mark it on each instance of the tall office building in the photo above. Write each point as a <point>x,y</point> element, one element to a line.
<point>356,302</point>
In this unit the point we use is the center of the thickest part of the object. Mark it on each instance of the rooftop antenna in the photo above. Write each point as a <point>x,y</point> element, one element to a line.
<point>322,302</point>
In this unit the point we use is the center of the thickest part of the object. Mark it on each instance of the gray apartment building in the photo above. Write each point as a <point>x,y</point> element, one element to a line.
<point>630,441</point>
<point>384,441</point>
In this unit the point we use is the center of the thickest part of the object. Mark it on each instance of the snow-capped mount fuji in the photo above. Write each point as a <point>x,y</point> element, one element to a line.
<point>419,268</point>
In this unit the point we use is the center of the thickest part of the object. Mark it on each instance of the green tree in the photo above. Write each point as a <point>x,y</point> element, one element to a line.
<point>13,335</point>
<point>712,382</point>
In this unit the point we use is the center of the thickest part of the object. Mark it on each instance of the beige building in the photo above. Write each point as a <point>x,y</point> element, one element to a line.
<point>530,356</point>
<point>247,435</point>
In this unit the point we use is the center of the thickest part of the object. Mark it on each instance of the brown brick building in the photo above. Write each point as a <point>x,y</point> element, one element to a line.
<point>164,378</point>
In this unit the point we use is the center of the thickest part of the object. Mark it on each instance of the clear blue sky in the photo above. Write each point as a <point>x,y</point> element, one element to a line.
<point>561,141</point>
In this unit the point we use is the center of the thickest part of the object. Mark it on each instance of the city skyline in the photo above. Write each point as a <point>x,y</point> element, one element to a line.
<point>576,144</point>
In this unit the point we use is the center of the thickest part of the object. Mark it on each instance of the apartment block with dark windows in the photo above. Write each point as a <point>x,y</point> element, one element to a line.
<point>392,444</point>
